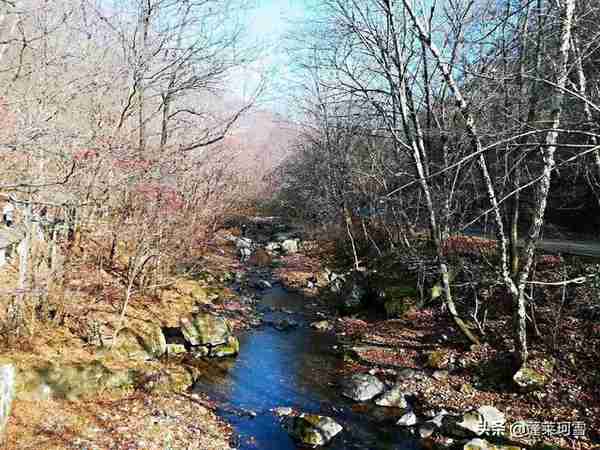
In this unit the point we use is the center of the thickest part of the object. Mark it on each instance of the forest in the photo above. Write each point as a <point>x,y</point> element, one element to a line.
<point>378,231</point>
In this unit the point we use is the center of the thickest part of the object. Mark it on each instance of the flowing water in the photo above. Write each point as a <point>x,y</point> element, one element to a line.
<point>295,368</point>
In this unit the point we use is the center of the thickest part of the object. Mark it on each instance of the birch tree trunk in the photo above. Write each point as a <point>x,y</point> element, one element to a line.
<point>415,137</point>
<point>567,9</point>
<point>477,146</point>
<point>582,88</point>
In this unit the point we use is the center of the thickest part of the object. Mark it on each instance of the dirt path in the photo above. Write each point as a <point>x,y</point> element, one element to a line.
<point>587,248</point>
<point>576,248</point>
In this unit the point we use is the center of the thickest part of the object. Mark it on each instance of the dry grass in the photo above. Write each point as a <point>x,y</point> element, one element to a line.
<point>136,421</point>
<point>121,419</point>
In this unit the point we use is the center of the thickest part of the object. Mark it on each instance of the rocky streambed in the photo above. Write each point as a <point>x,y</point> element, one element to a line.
<point>284,386</point>
<point>300,379</point>
<point>280,367</point>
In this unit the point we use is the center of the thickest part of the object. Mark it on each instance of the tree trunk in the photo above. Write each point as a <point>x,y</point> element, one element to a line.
<point>144,27</point>
<point>548,150</point>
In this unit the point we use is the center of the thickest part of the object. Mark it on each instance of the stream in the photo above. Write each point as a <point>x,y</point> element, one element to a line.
<point>293,368</point>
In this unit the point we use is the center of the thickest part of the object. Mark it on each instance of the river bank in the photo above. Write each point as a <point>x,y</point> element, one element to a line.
<point>422,355</point>
<point>296,351</point>
<point>76,389</point>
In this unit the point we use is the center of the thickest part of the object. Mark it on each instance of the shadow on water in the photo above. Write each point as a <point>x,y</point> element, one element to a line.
<point>295,368</point>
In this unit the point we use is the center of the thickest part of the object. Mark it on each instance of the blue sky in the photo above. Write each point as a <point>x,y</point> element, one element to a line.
<point>268,23</point>
<point>271,18</point>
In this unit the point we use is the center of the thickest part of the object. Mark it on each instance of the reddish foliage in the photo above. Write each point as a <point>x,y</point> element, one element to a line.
<point>166,197</point>
<point>468,246</point>
<point>549,261</point>
<point>85,154</point>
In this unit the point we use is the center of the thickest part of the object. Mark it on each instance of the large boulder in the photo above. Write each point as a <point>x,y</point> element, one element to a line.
<point>312,430</point>
<point>396,299</point>
<point>209,335</point>
<point>362,387</point>
<point>155,341</point>
<point>133,345</point>
<point>229,348</point>
<point>477,422</point>
<point>205,329</point>
<point>7,392</point>
<point>535,375</point>
<point>72,381</point>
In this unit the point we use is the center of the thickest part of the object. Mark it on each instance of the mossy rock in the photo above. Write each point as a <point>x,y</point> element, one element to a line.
<point>130,345</point>
<point>400,291</point>
<point>535,375</point>
<point>205,329</point>
<point>397,299</point>
<point>312,430</point>
<point>154,340</point>
<point>71,381</point>
<point>143,345</point>
<point>231,348</point>
<point>174,349</point>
